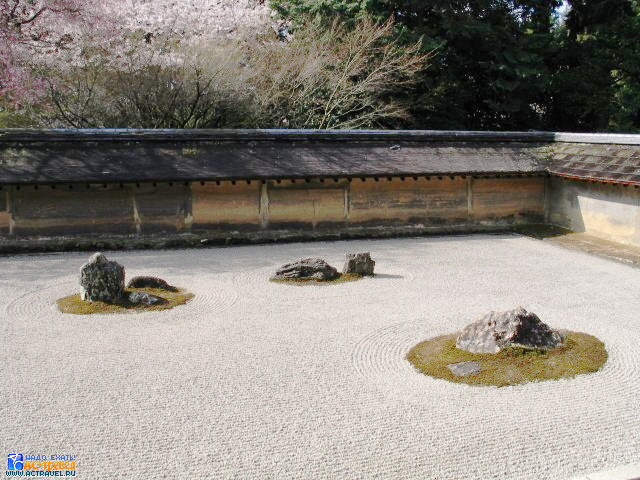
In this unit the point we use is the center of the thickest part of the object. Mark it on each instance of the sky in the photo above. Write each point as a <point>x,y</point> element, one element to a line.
<point>564,9</point>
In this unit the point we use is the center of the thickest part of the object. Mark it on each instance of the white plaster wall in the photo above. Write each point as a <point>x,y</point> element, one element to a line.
<point>603,210</point>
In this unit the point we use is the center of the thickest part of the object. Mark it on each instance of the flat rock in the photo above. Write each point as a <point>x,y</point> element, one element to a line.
<point>498,330</point>
<point>359,264</point>
<point>144,298</point>
<point>150,282</point>
<point>463,369</point>
<point>101,280</point>
<point>306,268</point>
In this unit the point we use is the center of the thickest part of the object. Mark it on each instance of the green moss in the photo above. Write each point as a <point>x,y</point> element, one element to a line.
<point>344,277</point>
<point>15,120</point>
<point>581,353</point>
<point>75,305</point>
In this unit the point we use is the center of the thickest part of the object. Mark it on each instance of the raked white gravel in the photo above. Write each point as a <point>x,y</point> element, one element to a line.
<point>256,380</point>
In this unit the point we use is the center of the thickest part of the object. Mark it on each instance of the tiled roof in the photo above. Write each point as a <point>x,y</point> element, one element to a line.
<point>126,157</point>
<point>102,156</point>
<point>601,162</point>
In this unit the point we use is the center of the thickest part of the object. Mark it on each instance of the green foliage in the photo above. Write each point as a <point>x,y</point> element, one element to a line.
<point>321,10</point>
<point>509,64</point>
<point>10,119</point>
<point>595,82</point>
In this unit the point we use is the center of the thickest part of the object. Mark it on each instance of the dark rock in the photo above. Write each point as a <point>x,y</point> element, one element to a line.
<point>283,32</point>
<point>359,263</point>
<point>498,330</point>
<point>463,369</point>
<point>101,280</point>
<point>144,298</point>
<point>306,268</point>
<point>150,282</point>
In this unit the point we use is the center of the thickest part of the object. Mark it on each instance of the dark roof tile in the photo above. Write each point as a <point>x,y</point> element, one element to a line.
<point>130,160</point>
<point>134,156</point>
<point>619,163</point>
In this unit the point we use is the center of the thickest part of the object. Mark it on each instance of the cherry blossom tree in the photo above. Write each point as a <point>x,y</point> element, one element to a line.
<point>30,28</point>
<point>48,35</point>
<point>195,63</point>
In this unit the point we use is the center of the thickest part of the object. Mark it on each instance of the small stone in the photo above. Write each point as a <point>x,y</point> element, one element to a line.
<point>143,298</point>
<point>306,268</point>
<point>498,330</point>
<point>463,369</point>
<point>150,282</point>
<point>359,264</point>
<point>101,280</point>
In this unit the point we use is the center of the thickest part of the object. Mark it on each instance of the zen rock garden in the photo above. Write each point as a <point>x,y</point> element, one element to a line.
<point>356,266</point>
<point>499,348</point>
<point>102,290</point>
<point>508,348</point>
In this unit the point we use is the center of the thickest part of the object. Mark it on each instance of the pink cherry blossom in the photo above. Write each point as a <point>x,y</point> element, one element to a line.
<point>39,34</point>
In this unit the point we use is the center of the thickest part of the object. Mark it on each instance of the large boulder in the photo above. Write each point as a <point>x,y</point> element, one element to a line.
<point>359,264</point>
<point>306,268</point>
<point>150,282</point>
<point>101,280</point>
<point>498,330</point>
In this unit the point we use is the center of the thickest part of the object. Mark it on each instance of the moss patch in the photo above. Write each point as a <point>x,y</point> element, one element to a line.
<point>581,353</point>
<point>344,277</point>
<point>74,304</point>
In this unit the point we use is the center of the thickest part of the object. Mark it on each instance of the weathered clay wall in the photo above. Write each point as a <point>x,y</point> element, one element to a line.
<point>604,210</point>
<point>433,202</point>
<point>304,204</point>
<point>70,209</point>
<point>313,206</point>
<point>225,205</point>
<point>507,199</point>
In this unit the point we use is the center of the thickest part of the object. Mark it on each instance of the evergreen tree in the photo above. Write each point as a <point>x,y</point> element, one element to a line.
<point>491,68</point>
<point>596,86</point>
